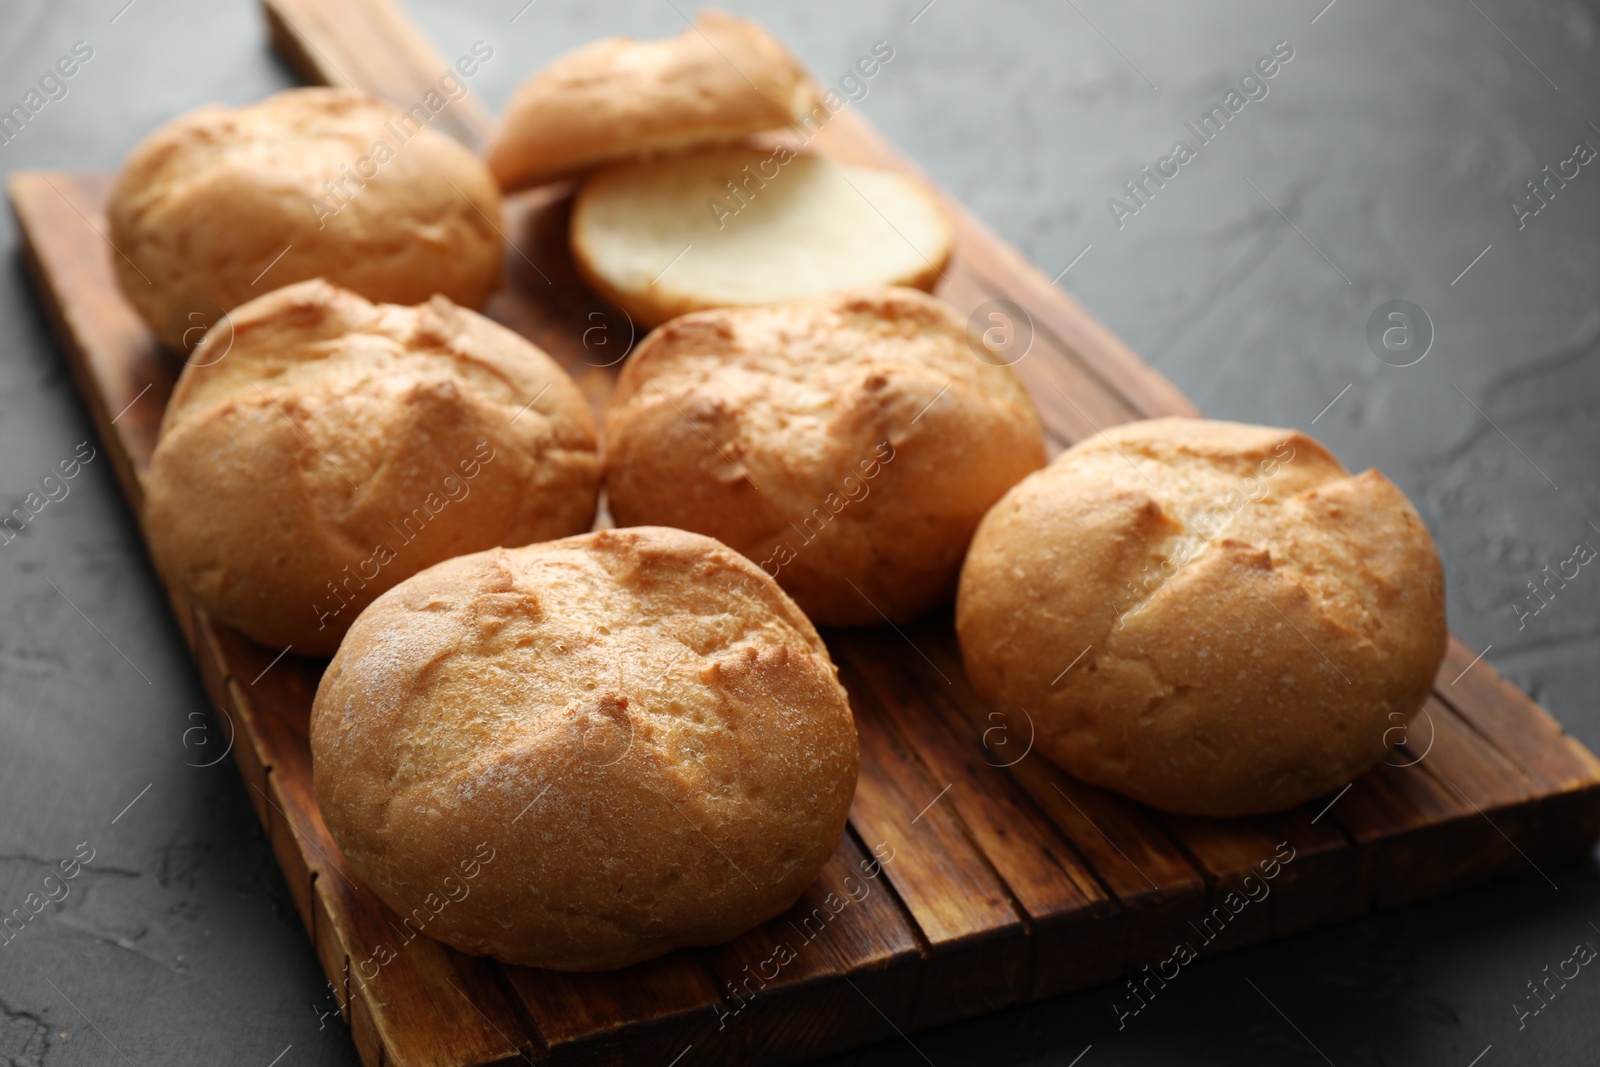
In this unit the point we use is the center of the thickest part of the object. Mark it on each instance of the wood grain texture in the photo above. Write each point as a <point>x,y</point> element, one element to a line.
<point>968,878</point>
<point>1055,891</point>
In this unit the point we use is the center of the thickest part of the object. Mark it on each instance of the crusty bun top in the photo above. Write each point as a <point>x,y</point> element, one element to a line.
<point>638,725</point>
<point>342,185</point>
<point>720,79</point>
<point>319,448</point>
<point>849,444</point>
<point>1245,622</point>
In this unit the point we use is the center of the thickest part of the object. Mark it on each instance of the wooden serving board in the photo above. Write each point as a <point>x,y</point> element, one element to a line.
<point>962,884</point>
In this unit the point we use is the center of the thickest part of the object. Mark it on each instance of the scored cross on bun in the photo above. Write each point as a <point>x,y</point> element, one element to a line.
<point>848,444</point>
<point>1211,618</point>
<point>319,449</point>
<point>638,734</point>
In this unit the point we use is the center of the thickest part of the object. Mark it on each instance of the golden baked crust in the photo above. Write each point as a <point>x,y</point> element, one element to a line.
<point>206,203</point>
<point>1252,620</point>
<point>642,730</point>
<point>739,226</point>
<point>721,79</point>
<point>848,444</point>
<point>326,448</point>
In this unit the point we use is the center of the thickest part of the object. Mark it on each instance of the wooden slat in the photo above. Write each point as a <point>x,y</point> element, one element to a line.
<point>236,711</point>
<point>120,370</point>
<point>847,923</point>
<point>1322,885</point>
<point>1068,910</point>
<point>1423,828</point>
<point>1462,759</point>
<point>1316,887</point>
<point>978,954</point>
<point>1562,819</point>
<point>1515,725</point>
<point>330,952</point>
<point>1155,884</point>
<point>369,1045</point>
<point>616,1017</point>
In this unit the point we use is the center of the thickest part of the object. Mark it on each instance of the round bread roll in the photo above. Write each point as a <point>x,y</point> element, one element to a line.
<point>740,226</point>
<point>848,444</point>
<point>719,80</point>
<point>319,449</point>
<point>641,732</point>
<point>1211,618</point>
<point>222,205</point>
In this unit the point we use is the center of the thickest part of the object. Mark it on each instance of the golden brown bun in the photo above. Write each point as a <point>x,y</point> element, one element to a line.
<point>662,238</point>
<point>338,447</point>
<point>1238,656</point>
<point>721,79</point>
<point>849,445</point>
<point>642,729</point>
<point>205,204</point>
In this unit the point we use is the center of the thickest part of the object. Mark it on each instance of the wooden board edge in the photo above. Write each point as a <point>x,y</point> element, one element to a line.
<point>1482,687</point>
<point>20,190</point>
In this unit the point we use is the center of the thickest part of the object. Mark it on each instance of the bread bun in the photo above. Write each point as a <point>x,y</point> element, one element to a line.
<point>719,80</point>
<point>1211,618</point>
<point>848,444</point>
<point>643,733</point>
<point>223,205</point>
<point>319,449</point>
<point>667,237</point>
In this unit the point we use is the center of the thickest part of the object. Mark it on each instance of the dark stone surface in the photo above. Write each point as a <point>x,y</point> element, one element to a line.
<point>1392,141</point>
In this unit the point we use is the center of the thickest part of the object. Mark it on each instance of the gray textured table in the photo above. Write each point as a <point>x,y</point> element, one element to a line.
<point>1381,164</point>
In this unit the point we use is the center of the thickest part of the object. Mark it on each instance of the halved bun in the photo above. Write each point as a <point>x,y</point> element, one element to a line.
<point>718,80</point>
<point>743,226</point>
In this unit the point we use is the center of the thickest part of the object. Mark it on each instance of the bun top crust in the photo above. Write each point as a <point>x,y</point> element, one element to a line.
<point>205,204</point>
<point>721,79</point>
<point>319,448</point>
<point>646,732</point>
<point>1253,620</point>
<point>869,405</point>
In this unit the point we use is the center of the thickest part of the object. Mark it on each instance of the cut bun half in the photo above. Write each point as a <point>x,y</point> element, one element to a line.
<point>719,80</point>
<point>743,226</point>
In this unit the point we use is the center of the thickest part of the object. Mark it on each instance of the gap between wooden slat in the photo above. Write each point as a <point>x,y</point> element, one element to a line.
<point>860,692</point>
<point>924,949</point>
<point>946,650</point>
<point>941,714</point>
<point>885,723</point>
